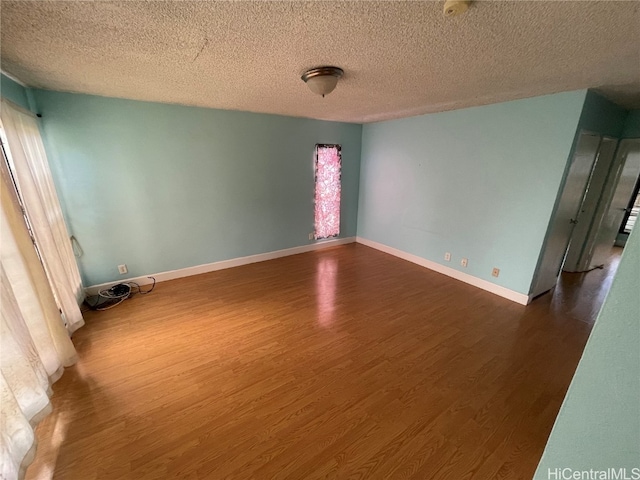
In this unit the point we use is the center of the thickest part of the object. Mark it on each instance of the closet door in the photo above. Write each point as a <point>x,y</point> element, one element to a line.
<point>590,216</point>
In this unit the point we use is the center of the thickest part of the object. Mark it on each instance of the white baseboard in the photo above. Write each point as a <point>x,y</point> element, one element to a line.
<point>504,292</point>
<point>236,262</point>
<point>212,267</point>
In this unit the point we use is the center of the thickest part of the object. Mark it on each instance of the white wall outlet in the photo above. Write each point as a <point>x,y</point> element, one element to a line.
<point>311,236</point>
<point>464,262</point>
<point>495,272</point>
<point>447,256</point>
<point>122,269</point>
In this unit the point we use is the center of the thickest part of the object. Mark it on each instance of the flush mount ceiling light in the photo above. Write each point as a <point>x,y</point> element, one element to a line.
<point>322,80</point>
<point>455,7</point>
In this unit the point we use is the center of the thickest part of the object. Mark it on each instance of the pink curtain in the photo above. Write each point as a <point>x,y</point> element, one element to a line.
<point>327,197</point>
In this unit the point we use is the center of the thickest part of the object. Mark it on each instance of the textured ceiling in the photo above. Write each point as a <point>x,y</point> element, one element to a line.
<point>400,58</point>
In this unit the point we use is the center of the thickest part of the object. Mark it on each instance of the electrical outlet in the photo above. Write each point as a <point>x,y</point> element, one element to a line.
<point>495,272</point>
<point>447,257</point>
<point>311,236</point>
<point>122,269</point>
<point>464,262</point>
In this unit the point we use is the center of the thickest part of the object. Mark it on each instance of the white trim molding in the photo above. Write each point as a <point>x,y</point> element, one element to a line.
<point>504,292</point>
<point>212,267</point>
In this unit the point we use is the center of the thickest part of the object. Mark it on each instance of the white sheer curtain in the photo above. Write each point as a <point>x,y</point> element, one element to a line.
<point>34,344</point>
<point>31,172</point>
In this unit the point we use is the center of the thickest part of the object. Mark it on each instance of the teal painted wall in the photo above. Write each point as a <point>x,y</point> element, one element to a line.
<point>599,115</point>
<point>480,183</point>
<point>632,125</point>
<point>14,92</point>
<point>598,426</point>
<point>161,187</point>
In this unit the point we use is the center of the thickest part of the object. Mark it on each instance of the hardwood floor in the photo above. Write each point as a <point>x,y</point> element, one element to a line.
<point>341,363</point>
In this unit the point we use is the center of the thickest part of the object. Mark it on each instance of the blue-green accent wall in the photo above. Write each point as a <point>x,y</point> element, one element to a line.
<point>480,183</point>
<point>14,91</point>
<point>632,125</point>
<point>598,426</point>
<point>162,187</point>
<point>601,116</point>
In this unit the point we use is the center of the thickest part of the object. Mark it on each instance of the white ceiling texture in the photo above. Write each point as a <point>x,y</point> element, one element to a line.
<point>400,58</point>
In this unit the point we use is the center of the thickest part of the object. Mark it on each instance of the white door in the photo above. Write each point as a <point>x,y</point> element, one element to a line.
<point>624,177</point>
<point>590,215</point>
<point>564,218</point>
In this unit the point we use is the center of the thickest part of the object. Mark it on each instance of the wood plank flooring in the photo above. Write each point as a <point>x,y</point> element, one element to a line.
<point>341,363</point>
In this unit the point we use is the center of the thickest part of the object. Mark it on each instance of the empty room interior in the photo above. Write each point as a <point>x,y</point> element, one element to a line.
<point>320,240</point>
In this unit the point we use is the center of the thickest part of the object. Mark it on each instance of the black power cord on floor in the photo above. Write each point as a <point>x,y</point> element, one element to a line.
<point>115,295</point>
<point>597,267</point>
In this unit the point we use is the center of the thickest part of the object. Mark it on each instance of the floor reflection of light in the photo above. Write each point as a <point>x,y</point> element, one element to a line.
<point>47,472</point>
<point>59,431</point>
<point>46,469</point>
<point>59,434</point>
<point>326,277</point>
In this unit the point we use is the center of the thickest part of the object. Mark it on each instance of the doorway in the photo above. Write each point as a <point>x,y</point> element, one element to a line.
<point>591,207</point>
<point>565,217</point>
<point>617,195</point>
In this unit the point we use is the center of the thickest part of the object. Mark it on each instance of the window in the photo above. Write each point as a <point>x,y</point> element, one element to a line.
<point>631,214</point>
<point>327,196</point>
